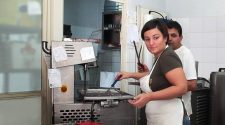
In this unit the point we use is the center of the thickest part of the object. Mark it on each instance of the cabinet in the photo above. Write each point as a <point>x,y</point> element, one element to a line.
<point>111,30</point>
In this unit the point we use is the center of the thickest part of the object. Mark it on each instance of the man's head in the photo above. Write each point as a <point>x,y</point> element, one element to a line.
<point>175,34</point>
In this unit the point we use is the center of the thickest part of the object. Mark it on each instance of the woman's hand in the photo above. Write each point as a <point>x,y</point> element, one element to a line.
<point>126,75</point>
<point>141,100</point>
<point>142,68</point>
<point>123,75</point>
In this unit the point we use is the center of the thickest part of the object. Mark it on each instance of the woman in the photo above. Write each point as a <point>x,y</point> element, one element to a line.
<point>165,83</point>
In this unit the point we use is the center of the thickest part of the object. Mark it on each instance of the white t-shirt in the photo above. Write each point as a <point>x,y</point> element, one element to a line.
<point>188,63</point>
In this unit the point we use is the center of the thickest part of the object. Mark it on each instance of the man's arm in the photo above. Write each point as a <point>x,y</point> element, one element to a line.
<point>192,85</point>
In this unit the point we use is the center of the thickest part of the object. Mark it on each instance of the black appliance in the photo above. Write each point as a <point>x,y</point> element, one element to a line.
<point>217,95</point>
<point>200,101</point>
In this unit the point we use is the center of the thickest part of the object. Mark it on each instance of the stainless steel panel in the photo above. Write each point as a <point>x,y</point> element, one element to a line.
<point>74,113</point>
<point>73,53</point>
<point>66,93</point>
<point>123,114</point>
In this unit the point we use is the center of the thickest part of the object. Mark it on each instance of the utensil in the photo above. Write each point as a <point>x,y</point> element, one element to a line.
<point>113,84</point>
<point>138,56</point>
<point>115,81</point>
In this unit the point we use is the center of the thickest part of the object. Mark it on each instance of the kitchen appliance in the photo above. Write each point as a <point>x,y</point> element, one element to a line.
<point>217,96</point>
<point>73,103</point>
<point>66,67</point>
<point>70,114</point>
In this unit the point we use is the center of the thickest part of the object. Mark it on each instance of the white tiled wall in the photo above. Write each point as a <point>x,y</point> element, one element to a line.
<point>131,66</point>
<point>205,36</point>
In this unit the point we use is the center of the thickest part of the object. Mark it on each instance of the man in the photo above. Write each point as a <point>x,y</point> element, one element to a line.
<point>188,61</point>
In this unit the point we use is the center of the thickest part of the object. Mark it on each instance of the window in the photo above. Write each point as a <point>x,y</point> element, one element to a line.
<point>20,45</point>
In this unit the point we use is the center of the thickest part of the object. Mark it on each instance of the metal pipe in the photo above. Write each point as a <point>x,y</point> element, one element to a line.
<point>157,13</point>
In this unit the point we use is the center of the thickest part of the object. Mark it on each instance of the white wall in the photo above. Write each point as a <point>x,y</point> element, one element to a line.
<point>157,5</point>
<point>203,23</point>
<point>132,19</point>
<point>151,4</point>
<point>195,8</point>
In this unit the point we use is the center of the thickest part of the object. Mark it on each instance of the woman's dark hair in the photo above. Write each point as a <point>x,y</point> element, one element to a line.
<point>158,23</point>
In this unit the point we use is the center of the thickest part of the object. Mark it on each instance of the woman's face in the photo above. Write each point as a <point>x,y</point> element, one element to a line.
<point>154,41</point>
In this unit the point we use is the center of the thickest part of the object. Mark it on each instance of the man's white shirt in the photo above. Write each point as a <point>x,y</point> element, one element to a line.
<point>189,68</point>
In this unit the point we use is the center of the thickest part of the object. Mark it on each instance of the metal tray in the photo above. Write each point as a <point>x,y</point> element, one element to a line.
<point>106,94</point>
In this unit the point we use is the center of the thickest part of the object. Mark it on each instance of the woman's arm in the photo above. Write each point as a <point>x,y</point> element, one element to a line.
<point>135,75</point>
<point>179,86</point>
<point>192,84</point>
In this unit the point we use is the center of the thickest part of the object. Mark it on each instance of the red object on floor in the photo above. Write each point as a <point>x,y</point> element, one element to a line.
<point>89,123</point>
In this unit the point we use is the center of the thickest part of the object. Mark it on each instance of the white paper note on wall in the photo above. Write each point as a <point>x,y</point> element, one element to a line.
<point>59,53</point>
<point>132,33</point>
<point>54,78</point>
<point>87,53</point>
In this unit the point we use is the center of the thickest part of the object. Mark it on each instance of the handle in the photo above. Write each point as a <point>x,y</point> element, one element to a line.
<point>142,67</point>
<point>221,69</point>
<point>204,79</point>
<point>138,58</point>
<point>116,80</point>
